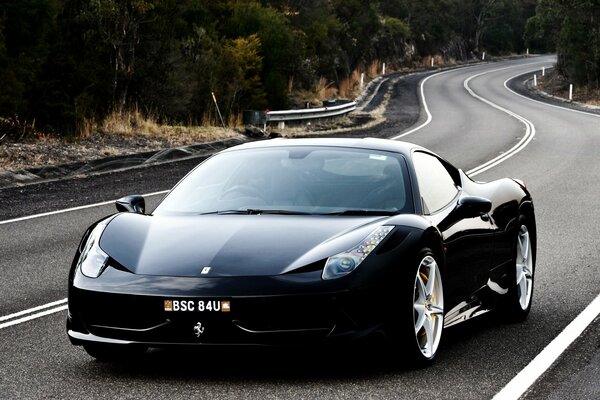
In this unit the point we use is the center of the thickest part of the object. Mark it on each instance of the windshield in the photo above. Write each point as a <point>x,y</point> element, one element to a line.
<point>288,180</point>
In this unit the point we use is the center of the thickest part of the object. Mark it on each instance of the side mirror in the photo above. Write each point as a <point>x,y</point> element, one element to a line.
<point>134,203</point>
<point>473,206</point>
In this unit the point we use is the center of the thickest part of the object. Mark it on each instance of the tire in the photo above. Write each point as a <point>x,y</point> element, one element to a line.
<point>417,333</point>
<point>520,295</point>
<point>114,352</point>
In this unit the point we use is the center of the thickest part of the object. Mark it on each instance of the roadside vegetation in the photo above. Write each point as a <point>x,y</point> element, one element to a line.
<point>571,28</point>
<point>72,68</point>
<point>81,68</point>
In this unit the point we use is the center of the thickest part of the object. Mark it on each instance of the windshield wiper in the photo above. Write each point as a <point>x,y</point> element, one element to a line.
<point>255,211</point>
<point>362,212</point>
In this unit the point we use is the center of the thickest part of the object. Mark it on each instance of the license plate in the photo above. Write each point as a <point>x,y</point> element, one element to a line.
<point>203,306</point>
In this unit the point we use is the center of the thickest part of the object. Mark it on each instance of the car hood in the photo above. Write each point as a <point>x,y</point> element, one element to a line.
<point>230,245</point>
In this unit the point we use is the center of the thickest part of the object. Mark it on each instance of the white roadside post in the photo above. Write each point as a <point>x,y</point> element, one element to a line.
<point>483,56</point>
<point>534,80</point>
<point>543,71</point>
<point>571,92</point>
<point>362,80</point>
<point>383,69</point>
<point>432,61</point>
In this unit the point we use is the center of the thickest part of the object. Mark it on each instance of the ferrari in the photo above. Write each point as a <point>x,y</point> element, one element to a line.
<point>303,242</point>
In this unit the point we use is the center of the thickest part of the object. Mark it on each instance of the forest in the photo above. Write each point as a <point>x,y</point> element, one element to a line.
<point>68,64</point>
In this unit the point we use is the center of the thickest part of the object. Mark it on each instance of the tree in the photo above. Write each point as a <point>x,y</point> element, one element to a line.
<point>572,27</point>
<point>543,29</point>
<point>239,73</point>
<point>118,24</point>
<point>579,42</point>
<point>25,28</point>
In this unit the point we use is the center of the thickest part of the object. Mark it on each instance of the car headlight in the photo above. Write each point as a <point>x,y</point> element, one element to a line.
<point>93,259</point>
<point>343,263</point>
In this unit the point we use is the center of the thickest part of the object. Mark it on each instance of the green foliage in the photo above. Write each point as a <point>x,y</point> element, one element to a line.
<point>543,29</point>
<point>66,62</point>
<point>579,42</point>
<point>572,28</point>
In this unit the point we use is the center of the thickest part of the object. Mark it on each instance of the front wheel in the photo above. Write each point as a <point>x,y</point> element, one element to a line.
<point>418,332</point>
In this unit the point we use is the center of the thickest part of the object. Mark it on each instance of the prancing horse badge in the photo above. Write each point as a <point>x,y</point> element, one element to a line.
<point>198,329</point>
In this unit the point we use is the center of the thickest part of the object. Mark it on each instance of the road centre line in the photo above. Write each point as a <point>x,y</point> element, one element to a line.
<point>529,127</point>
<point>546,358</point>
<point>424,101</point>
<point>34,309</point>
<point>33,316</point>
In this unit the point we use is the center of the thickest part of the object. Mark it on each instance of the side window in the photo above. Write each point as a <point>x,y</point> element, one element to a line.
<point>435,182</point>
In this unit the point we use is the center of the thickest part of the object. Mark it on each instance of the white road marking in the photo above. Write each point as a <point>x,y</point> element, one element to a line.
<point>31,313</point>
<point>34,309</point>
<point>529,127</point>
<point>425,107</point>
<point>543,361</point>
<point>66,210</point>
<point>548,104</point>
<point>424,101</point>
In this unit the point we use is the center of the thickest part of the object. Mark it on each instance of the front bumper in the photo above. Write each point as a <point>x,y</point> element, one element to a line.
<point>286,313</point>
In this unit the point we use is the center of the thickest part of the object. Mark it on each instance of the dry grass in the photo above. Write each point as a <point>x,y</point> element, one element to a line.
<point>130,123</point>
<point>323,90</point>
<point>438,61</point>
<point>134,123</point>
<point>118,134</point>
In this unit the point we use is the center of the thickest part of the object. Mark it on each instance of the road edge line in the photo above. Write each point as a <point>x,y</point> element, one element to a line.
<point>522,382</point>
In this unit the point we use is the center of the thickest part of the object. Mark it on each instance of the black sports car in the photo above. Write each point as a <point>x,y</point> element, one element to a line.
<point>296,241</point>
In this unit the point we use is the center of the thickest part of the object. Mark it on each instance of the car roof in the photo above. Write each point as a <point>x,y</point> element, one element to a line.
<point>365,143</point>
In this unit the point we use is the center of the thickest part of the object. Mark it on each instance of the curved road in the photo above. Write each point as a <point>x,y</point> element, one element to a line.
<point>470,118</point>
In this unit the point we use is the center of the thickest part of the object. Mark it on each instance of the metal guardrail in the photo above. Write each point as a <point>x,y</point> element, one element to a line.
<point>310,113</point>
<point>283,116</point>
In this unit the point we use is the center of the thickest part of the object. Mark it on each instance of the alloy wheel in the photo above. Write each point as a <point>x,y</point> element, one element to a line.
<point>428,304</point>
<point>524,264</point>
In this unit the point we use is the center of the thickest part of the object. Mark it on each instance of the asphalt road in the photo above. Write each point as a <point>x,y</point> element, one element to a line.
<point>558,159</point>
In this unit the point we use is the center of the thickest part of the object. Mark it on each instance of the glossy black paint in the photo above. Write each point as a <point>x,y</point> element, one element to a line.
<point>269,266</point>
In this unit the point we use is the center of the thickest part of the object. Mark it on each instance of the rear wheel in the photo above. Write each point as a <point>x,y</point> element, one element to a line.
<point>418,332</point>
<point>520,295</point>
<point>114,352</point>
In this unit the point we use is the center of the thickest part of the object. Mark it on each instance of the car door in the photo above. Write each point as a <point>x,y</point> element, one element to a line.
<point>469,242</point>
